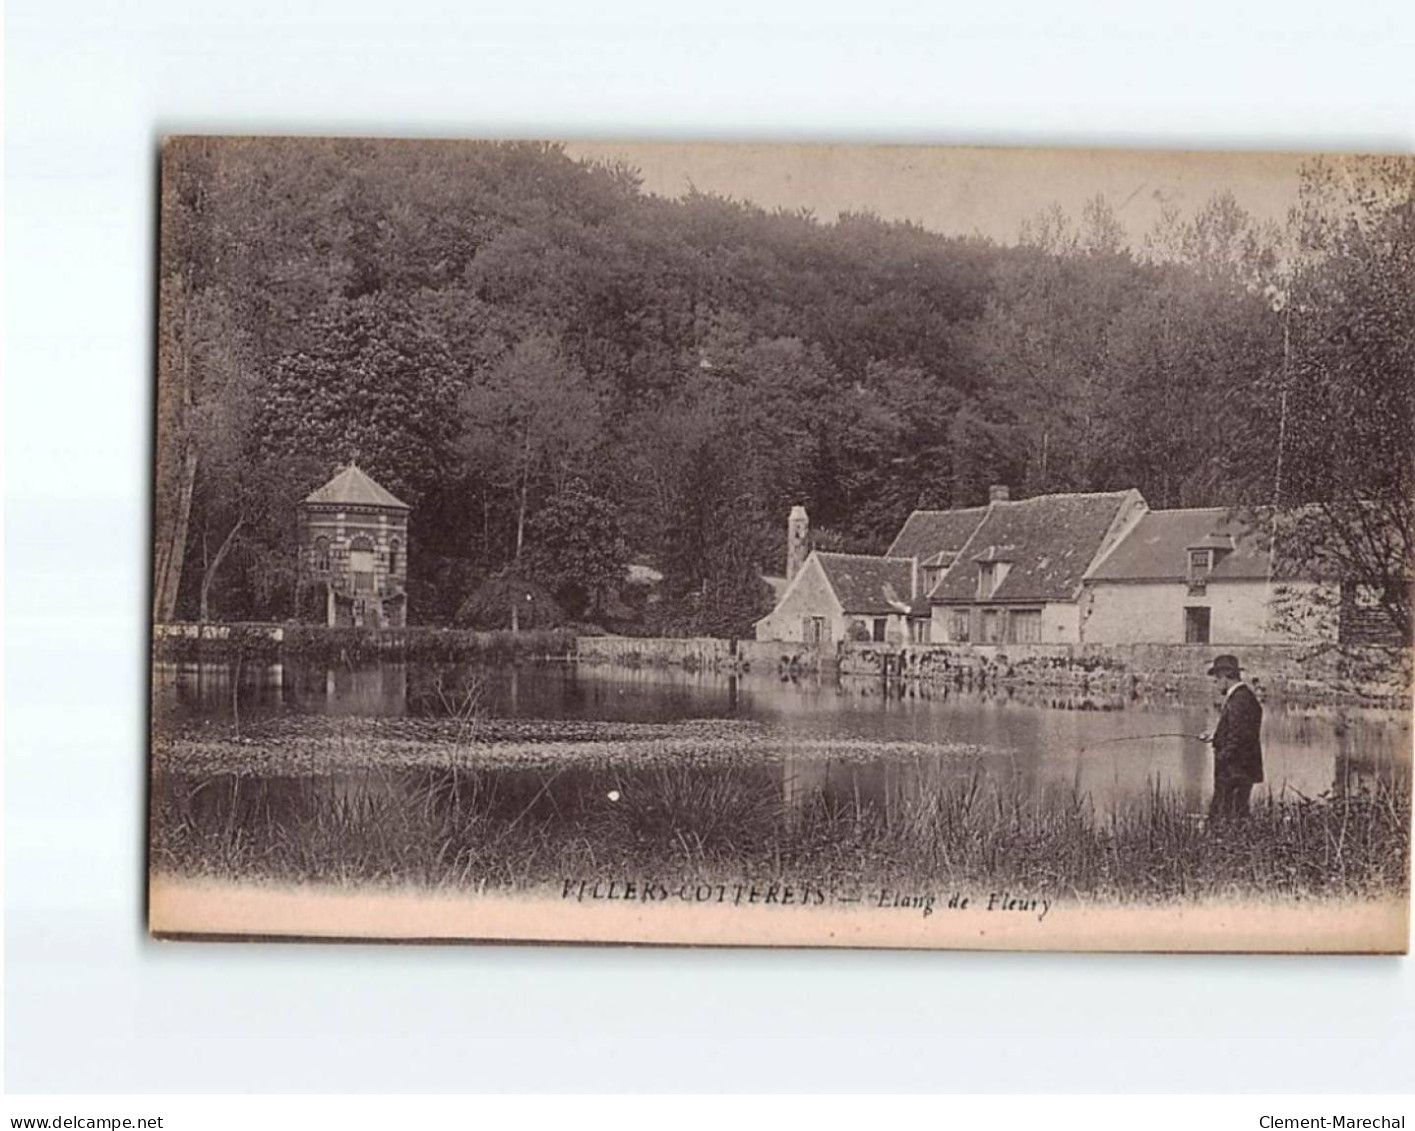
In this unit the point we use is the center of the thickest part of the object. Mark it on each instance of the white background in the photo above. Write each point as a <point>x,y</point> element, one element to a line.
<point>91,1004</point>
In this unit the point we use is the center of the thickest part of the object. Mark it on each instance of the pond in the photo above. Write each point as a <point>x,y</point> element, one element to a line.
<point>405,772</point>
<point>1038,739</point>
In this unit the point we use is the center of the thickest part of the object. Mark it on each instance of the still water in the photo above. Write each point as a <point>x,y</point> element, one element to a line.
<point>857,738</point>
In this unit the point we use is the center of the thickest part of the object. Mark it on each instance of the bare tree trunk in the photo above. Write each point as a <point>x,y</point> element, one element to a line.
<point>209,574</point>
<point>525,491</point>
<point>521,520</point>
<point>175,410</point>
<point>485,529</point>
<point>172,551</point>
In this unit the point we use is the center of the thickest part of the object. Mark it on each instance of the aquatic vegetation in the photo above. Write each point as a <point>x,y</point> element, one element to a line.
<point>475,828</point>
<point>289,744</point>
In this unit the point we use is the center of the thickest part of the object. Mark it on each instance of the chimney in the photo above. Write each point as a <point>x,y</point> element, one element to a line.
<point>798,541</point>
<point>998,493</point>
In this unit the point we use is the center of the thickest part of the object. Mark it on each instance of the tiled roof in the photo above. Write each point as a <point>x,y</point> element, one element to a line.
<point>926,534</point>
<point>1049,543</point>
<point>1156,549</point>
<point>868,584</point>
<point>352,487</point>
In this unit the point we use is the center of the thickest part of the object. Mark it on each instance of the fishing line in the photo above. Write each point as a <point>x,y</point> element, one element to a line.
<point>1140,738</point>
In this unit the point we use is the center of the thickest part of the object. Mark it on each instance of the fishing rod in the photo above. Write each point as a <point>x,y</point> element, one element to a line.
<point>1142,737</point>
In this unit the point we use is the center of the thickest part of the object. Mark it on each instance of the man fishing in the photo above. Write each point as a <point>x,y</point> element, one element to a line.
<point>1238,752</point>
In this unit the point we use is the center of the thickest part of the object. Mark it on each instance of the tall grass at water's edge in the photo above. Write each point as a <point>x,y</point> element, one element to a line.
<point>462,829</point>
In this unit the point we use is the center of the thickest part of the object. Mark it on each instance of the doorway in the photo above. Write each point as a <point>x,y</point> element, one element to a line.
<point>1196,624</point>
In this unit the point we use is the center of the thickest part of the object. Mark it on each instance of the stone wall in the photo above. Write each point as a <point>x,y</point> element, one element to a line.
<point>694,653</point>
<point>703,653</point>
<point>784,657</point>
<point>220,643</point>
<point>1292,672</point>
<point>1295,673</point>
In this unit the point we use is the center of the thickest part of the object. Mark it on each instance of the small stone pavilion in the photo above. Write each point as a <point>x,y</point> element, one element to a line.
<point>353,536</point>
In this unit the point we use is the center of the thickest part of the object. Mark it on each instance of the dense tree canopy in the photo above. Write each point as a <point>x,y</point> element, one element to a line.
<point>510,338</point>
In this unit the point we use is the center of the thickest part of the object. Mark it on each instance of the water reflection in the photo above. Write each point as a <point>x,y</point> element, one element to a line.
<point>1042,744</point>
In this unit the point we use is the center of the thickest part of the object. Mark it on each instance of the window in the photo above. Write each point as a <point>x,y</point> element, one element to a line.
<point>1024,626</point>
<point>321,555</point>
<point>961,626</point>
<point>1200,563</point>
<point>919,630</point>
<point>930,576</point>
<point>987,579</point>
<point>393,547</point>
<point>992,626</point>
<point>877,631</point>
<point>361,564</point>
<point>1196,625</point>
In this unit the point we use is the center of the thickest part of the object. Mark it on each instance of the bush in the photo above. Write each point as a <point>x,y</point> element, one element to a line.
<point>490,606</point>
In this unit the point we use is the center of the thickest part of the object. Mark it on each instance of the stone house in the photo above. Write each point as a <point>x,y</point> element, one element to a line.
<point>353,550</point>
<point>826,597</point>
<point>1199,576</point>
<point>842,597</point>
<point>1065,569</point>
<point>1019,578</point>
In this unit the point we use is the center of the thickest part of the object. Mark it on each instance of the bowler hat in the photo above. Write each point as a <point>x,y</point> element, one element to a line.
<point>1225,665</point>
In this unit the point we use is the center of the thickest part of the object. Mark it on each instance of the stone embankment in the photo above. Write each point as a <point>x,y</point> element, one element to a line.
<point>1294,673</point>
<point>705,653</point>
<point>252,642</point>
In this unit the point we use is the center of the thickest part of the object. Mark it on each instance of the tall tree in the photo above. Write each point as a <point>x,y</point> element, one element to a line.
<point>375,387</point>
<point>577,548</point>
<point>1349,376</point>
<point>530,426</point>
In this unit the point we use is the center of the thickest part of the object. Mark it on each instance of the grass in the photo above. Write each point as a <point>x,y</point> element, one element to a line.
<point>465,828</point>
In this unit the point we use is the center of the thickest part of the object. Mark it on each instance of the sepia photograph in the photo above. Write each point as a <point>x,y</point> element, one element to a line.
<point>782,545</point>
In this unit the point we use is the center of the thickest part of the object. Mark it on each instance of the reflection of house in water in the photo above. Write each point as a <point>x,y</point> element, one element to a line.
<point>217,688</point>
<point>354,549</point>
<point>378,690</point>
<point>1358,762</point>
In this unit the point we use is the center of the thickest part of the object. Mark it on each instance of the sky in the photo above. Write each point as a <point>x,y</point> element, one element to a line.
<point>963,191</point>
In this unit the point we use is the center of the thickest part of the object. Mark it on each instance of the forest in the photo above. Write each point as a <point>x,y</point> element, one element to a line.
<point>564,374</point>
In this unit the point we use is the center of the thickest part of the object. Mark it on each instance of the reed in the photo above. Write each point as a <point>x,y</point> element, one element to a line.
<point>478,829</point>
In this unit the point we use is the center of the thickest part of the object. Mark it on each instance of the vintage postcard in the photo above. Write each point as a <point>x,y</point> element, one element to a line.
<point>783,545</point>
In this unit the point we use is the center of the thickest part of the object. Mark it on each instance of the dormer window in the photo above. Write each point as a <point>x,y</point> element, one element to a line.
<point>1201,564</point>
<point>990,576</point>
<point>987,579</point>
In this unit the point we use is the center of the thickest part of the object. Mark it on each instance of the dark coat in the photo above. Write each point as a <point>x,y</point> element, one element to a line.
<point>1238,753</point>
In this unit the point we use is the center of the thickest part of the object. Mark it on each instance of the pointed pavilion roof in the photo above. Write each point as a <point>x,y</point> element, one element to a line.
<point>352,486</point>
